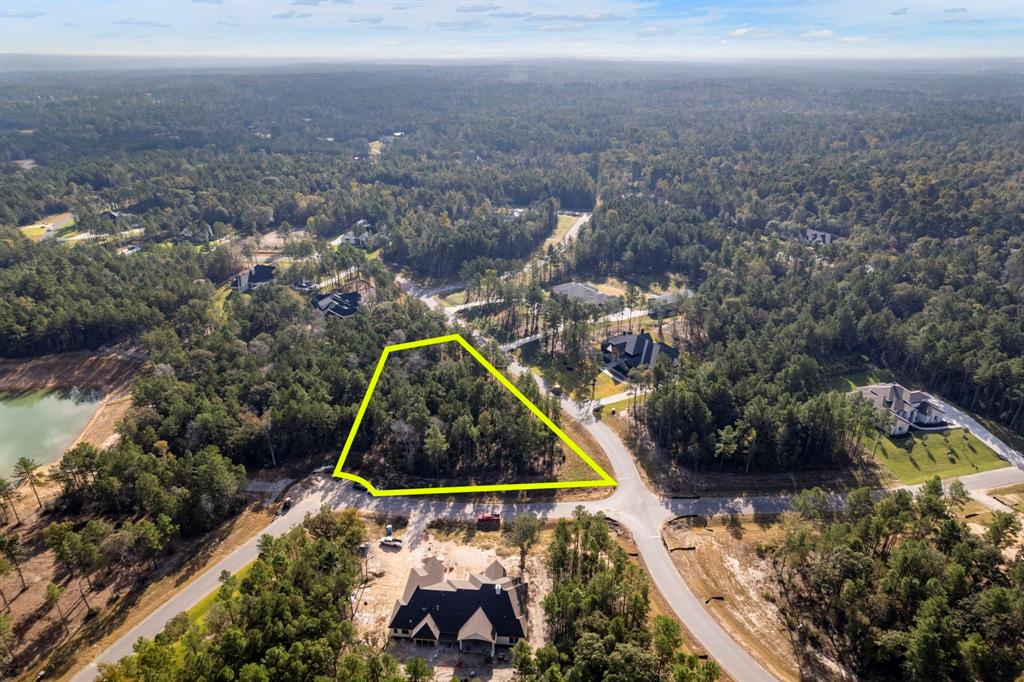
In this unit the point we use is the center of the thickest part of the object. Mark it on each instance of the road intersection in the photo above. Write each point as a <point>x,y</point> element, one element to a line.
<point>641,511</point>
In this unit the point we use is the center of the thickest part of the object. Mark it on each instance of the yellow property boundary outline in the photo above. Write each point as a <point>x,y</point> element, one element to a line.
<point>603,481</point>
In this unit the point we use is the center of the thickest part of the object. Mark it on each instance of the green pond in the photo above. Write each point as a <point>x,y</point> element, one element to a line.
<point>41,425</point>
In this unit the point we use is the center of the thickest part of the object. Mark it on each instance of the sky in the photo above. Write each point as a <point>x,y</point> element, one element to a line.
<point>502,29</point>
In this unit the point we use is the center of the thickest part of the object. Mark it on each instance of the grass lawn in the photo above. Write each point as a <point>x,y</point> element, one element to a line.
<point>36,231</point>
<point>564,223</point>
<point>455,298</point>
<point>612,286</point>
<point>555,372</point>
<point>848,382</point>
<point>33,232</point>
<point>219,299</point>
<point>919,456</point>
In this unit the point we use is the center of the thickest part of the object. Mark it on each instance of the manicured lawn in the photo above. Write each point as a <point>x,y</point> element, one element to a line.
<point>564,223</point>
<point>219,299</point>
<point>920,456</point>
<point>571,381</point>
<point>623,405</point>
<point>848,382</point>
<point>33,232</point>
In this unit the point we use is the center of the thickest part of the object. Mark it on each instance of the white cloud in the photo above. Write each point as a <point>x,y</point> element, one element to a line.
<point>22,13</point>
<point>855,40</point>
<point>751,32</point>
<point>141,22</point>
<point>575,18</point>
<point>479,7</point>
<point>819,33</point>
<point>464,25</point>
<point>291,15</point>
<point>658,31</point>
<point>365,20</point>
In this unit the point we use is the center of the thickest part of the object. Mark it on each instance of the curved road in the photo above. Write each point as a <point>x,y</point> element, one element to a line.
<point>632,504</point>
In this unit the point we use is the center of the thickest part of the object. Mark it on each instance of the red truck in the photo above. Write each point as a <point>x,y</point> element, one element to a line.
<point>489,521</point>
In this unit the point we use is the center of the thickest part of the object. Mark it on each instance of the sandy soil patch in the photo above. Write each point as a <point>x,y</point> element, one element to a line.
<point>110,372</point>
<point>725,563</point>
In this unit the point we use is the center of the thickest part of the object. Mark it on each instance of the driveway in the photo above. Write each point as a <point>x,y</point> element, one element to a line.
<point>636,507</point>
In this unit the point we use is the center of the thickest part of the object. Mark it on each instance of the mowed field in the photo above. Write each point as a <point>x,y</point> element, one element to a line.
<point>920,456</point>
<point>565,222</point>
<point>568,377</point>
<point>58,221</point>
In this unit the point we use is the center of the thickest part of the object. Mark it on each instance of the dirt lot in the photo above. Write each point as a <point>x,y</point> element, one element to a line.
<point>111,372</point>
<point>724,563</point>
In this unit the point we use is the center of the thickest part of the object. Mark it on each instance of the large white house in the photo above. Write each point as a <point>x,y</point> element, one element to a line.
<point>904,408</point>
<point>478,614</point>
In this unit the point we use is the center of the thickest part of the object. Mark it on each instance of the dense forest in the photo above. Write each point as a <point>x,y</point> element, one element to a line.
<point>436,412</point>
<point>58,299</point>
<point>597,615</point>
<point>289,618</point>
<point>901,589</point>
<point>710,174</point>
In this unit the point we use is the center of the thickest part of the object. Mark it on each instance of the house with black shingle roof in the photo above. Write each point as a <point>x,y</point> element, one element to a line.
<point>627,351</point>
<point>478,614</point>
<point>338,304</point>
<point>255,278</point>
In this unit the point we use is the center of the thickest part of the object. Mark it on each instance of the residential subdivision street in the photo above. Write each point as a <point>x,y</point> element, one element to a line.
<point>637,508</point>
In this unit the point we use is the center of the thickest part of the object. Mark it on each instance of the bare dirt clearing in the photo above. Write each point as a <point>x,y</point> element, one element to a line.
<point>724,563</point>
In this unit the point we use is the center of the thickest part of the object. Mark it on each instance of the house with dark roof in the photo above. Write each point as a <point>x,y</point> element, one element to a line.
<point>478,614</point>
<point>625,352</point>
<point>903,409</point>
<point>581,292</point>
<point>338,304</point>
<point>817,237</point>
<point>254,279</point>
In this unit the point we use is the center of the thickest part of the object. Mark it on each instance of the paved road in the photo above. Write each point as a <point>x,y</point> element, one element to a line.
<point>621,316</point>
<point>632,504</point>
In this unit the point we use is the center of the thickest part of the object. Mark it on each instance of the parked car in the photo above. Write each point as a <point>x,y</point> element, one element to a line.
<point>489,521</point>
<point>285,506</point>
<point>391,541</point>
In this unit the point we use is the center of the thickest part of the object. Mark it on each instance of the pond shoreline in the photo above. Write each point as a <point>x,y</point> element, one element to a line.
<point>111,373</point>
